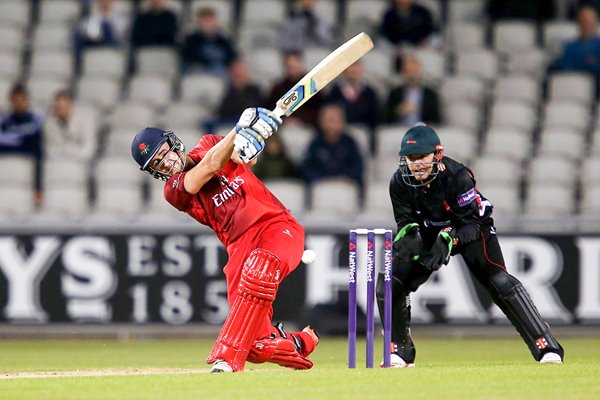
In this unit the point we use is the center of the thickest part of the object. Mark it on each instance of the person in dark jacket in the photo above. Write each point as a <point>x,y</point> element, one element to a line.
<point>412,101</point>
<point>207,49</point>
<point>439,213</point>
<point>407,23</point>
<point>156,26</point>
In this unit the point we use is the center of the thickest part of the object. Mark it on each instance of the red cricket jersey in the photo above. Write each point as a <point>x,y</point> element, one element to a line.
<point>229,203</point>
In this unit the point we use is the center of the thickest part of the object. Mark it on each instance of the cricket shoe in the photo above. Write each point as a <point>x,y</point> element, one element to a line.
<point>314,335</point>
<point>397,362</point>
<point>551,358</point>
<point>221,366</point>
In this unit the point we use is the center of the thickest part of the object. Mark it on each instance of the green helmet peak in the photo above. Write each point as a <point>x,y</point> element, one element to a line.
<point>420,139</point>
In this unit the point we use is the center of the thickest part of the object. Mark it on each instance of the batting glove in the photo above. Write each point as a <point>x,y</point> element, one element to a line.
<point>261,120</point>
<point>250,143</point>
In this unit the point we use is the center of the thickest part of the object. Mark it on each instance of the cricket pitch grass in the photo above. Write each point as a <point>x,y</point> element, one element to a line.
<point>462,369</point>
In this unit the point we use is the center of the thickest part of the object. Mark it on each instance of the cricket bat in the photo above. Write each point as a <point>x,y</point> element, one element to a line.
<point>323,73</point>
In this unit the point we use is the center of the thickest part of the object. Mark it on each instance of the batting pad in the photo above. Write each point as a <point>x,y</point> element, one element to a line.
<point>258,287</point>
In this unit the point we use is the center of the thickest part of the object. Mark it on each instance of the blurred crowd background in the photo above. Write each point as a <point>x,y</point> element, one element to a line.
<point>510,85</point>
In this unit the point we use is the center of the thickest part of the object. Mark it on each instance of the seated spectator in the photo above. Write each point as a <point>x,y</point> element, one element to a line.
<point>274,162</point>
<point>69,132</point>
<point>154,26</point>
<point>105,26</point>
<point>412,101</point>
<point>207,49</point>
<point>293,66</point>
<point>357,97</point>
<point>535,10</point>
<point>240,94</point>
<point>305,28</point>
<point>21,129</point>
<point>582,54</point>
<point>333,152</point>
<point>406,23</point>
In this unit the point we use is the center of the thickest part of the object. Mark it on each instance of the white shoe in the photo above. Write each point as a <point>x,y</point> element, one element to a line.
<point>551,358</point>
<point>397,362</point>
<point>221,366</point>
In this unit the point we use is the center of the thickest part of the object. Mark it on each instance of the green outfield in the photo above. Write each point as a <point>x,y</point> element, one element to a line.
<point>173,369</point>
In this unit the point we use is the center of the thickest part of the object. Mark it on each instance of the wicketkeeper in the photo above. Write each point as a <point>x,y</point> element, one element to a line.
<point>439,213</point>
<point>215,186</point>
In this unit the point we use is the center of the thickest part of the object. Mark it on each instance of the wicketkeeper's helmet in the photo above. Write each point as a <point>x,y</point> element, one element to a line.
<point>148,142</point>
<point>419,140</point>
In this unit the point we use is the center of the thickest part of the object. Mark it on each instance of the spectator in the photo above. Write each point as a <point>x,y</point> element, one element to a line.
<point>21,130</point>
<point>333,152</point>
<point>293,66</point>
<point>241,93</point>
<point>305,28</point>
<point>583,53</point>
<point>406,23</point>
<point>69,132</point>
<point>274,162</point>
<point>207,49</point>
<point>155,26</point>
<point>412,101</point>
<point>536,10</point>
<point>357,97</point>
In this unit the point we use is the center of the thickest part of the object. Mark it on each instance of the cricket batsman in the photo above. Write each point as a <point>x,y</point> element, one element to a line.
<point>215,186</point>
<point>439,213</point>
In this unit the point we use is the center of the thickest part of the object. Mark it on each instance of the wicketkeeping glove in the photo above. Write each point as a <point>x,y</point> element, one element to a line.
<point>408,243</point>
<point>250,143</point>
<point>440,251</point>
<point>260,119</point>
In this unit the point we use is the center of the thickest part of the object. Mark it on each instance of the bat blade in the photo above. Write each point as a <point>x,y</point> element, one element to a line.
<point>323,73</point>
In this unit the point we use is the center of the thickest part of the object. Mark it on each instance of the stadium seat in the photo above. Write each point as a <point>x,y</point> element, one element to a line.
<point>377,201</point>
<point>291,193</point>
<point>158,206</point>
<point>533,63</point>
<point>188,136</point>
<point>463,88</point>
<point>100,91</point>
<point>497,169</point>
<point>253,37</point>
<point>267,64</point>
<point>590,173</point>
<point>388,138</point>
<point>504,197</point>
<point>463,115</point>
<point>479,63</point>
<point>132,115</point>
<point>362,137</point>
<point>117,143</point>
<point>66,200</point>
<point>52,64</point>
<point>63,11</point>
<point>378,66</point>
<point>433,62</point>
<point>465,36</point>
<point>513,114</point>
<point>552,170</point>
<point>43,88</point>
<point>384,167</point>
<point>60,171</point>
<point>161,61</point>
<point>117,171</point>
<point>298,138</point>
<point>15,12</point>
<point>207,90</point>
<point>576,87</point>
<point>465,10</point>
<point>16,201</point>
<point>555,34</point>
<point>514,143</point>
<point>10,65</point>
<point>514,36</point>
<point>263,12</point>
<point>183,115</point>
<point>548,200</point>
<point>563,142</point>
<point>458,142</point>
<point>565,114</point>
<point>13,39</point>
<point>5,87</point>
<point>21,168</point>
<point>589,199</point>
<point>129,204</point>
<point>334,197</point>
<point>55,36</point>
<point>517,88</point>
<point>363,16</point>
<point>104,62</point>
<point>153,90</point>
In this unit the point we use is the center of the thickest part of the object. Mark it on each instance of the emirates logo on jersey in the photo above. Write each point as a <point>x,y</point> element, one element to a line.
<point>229,190</point>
